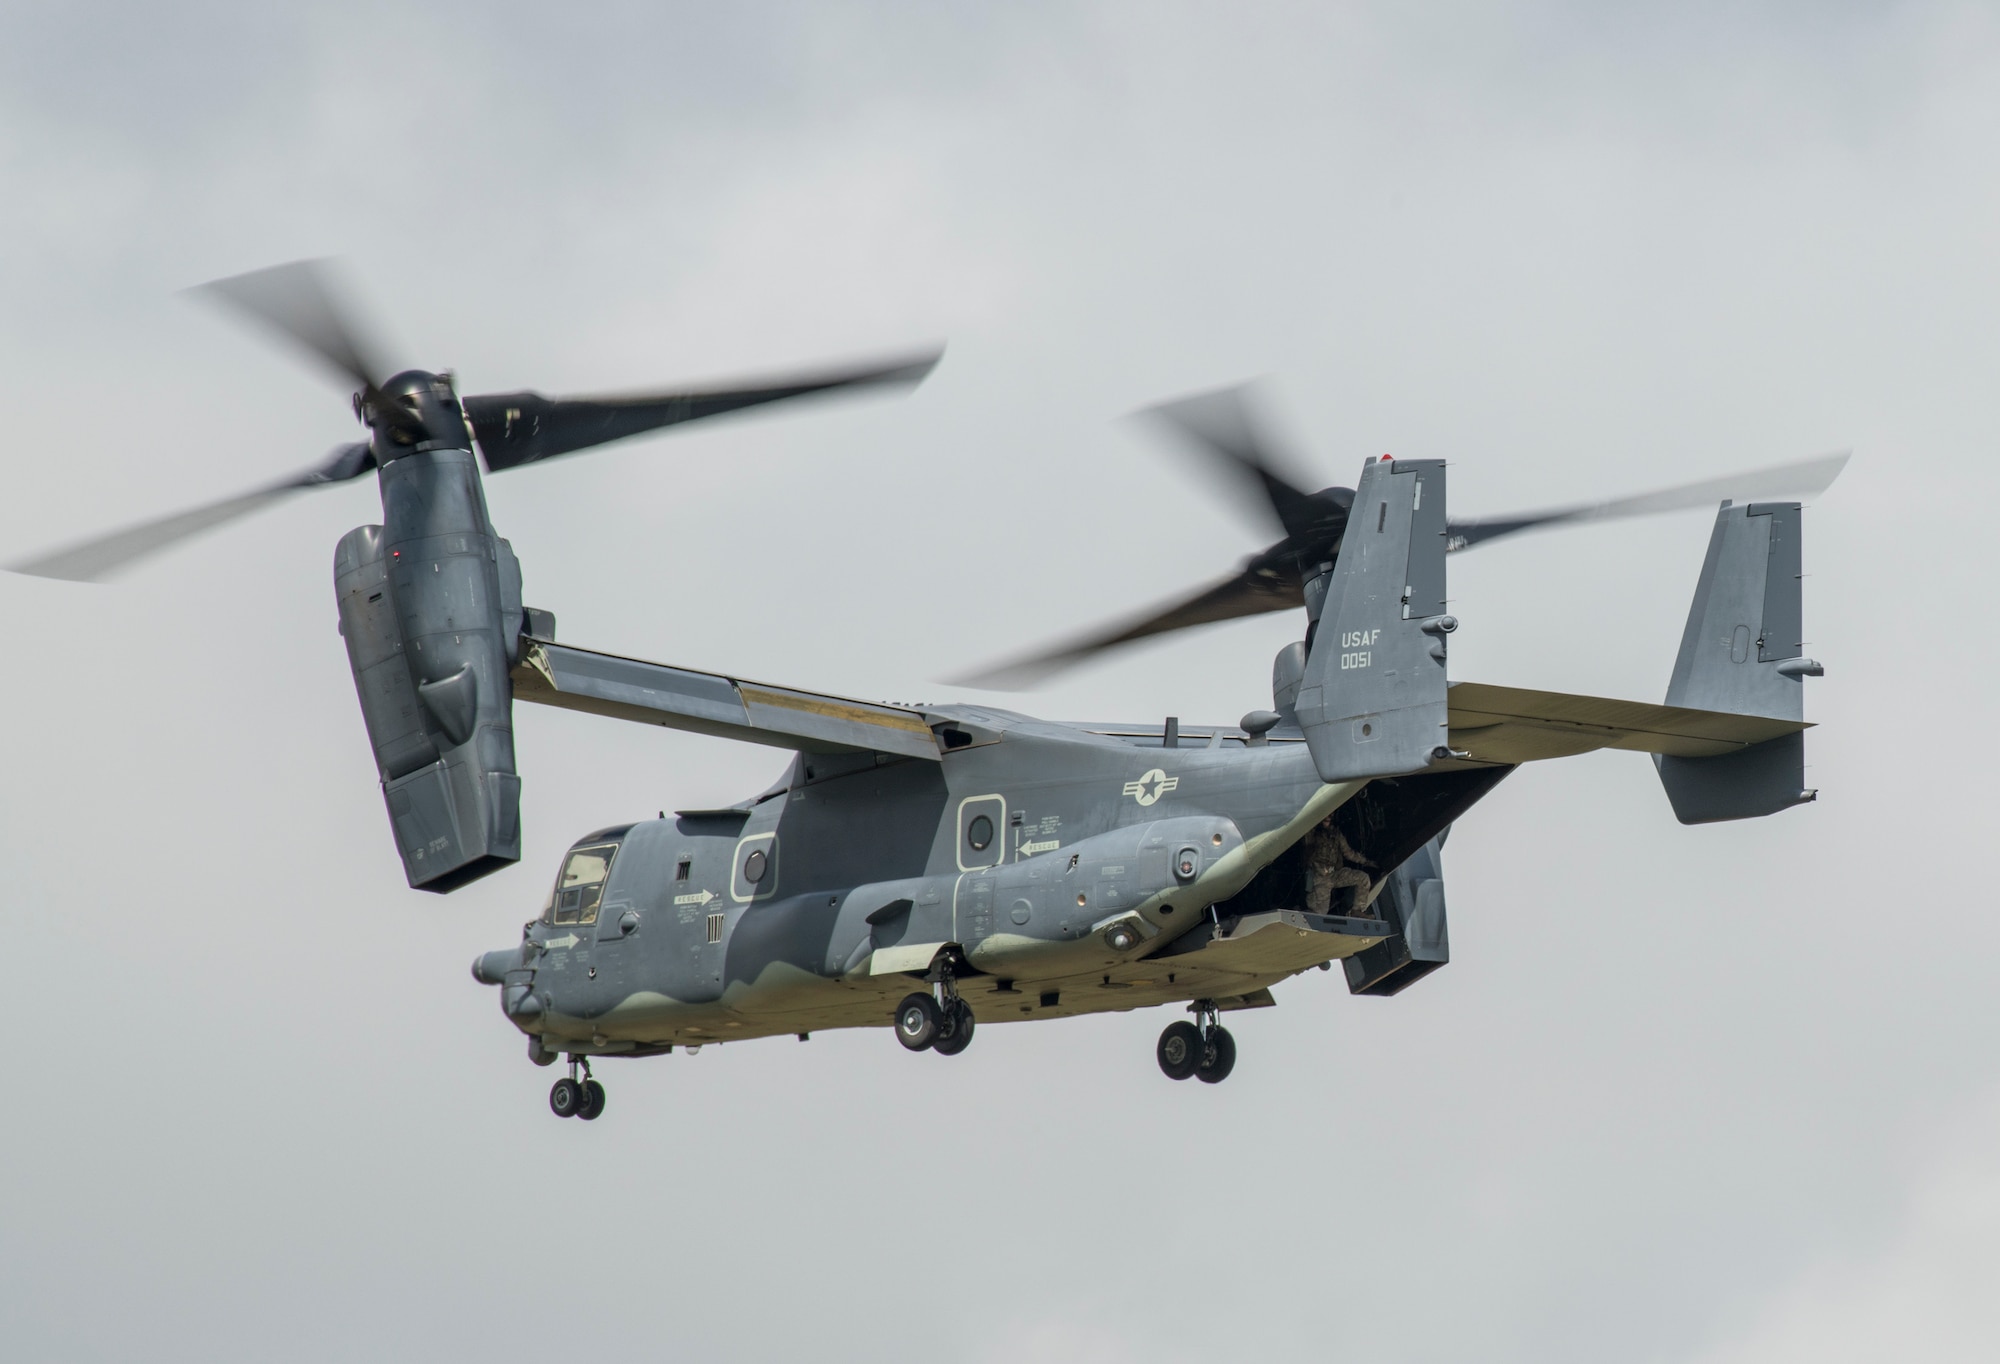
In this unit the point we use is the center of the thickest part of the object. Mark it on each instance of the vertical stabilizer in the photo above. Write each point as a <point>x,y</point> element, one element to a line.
<point>1372,701</point>
<point>1743,653</point>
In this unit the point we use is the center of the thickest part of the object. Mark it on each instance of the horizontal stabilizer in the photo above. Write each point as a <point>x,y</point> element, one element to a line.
<point>1515,725</point>
<point>552,674</point>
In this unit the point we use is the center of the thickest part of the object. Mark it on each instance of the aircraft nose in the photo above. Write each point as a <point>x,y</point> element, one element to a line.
<point>522,1004</point>
<point>492,967</point>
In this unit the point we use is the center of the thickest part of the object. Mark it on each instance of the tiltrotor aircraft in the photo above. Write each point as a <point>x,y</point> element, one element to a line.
<point>933,869</point>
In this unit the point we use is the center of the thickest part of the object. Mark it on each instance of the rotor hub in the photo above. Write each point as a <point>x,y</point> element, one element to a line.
<point>413,410</point>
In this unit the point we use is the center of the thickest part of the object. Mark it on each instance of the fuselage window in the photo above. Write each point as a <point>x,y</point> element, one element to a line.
<point>581,885</point>
<point>979,833</point>
<point>755,865</point>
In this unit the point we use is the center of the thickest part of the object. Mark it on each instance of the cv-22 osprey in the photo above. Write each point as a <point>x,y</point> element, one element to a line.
<point>931,869</point>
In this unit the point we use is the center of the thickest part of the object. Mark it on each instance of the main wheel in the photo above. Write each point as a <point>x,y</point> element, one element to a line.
<point>593,1101</point>
<point>1180,1050</point>
<point>917,1022</point>
<point>958,1036</point>
<point>566,1098</point>
<point>1218,1058</point>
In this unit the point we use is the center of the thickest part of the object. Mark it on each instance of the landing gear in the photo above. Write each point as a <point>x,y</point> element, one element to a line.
<point>918,1021</point>
<point>576,1095</point>
<point>956,1034</point>
<point>1179,1051</point>
<point>1217,1060</point>
<point>940,1021</point>
<point>1202,1049</point>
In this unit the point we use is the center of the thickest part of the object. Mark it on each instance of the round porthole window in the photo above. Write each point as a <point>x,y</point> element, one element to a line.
<point>979,833</point>
<point>755,865</point>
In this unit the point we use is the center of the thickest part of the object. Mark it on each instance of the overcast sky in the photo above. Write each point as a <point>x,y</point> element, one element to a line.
<point>1726,1095</point>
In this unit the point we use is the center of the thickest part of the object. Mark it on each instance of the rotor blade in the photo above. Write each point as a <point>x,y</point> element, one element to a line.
<point>102,556</point>
<point>1802,478</point>
<point>1250,591</point>
<point>301,302</point>
<point>520,428</point>
<point>1219,425</point>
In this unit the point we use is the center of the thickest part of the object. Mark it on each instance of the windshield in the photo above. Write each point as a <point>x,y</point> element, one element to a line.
<point>581,885</point>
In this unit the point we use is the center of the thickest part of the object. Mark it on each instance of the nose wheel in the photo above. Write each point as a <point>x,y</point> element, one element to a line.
<point>576,1095</point>
<point>1202,1049</point>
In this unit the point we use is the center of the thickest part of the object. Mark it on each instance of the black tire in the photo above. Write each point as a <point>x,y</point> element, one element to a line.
<point>566,1098</point>
<point>917,1022</point>
<point>1218,1058</point>
<point>956,1038</point>
<point>593,1101</point>
<point>1180,1050</point>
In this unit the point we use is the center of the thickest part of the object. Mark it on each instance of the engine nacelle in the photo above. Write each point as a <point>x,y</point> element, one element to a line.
<point>430,607</point>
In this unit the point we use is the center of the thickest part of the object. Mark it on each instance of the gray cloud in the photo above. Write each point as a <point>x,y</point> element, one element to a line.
<point>1676,1082</point>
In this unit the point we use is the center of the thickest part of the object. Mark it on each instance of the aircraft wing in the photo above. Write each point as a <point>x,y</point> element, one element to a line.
<point>1492,725</point>
<point>552,674</point>
<point>1515,725</point>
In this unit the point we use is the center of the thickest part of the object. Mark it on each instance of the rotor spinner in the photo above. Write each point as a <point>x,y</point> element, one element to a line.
<point>413,410</point>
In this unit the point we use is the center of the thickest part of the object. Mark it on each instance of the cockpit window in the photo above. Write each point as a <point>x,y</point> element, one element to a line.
<point>581,885</point>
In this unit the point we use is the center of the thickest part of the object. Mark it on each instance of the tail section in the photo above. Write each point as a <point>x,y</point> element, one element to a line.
<point>1743,653</point>
<point>1372,699</point>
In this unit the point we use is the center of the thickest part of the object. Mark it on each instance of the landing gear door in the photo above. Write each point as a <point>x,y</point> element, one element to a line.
<point>982,837</point>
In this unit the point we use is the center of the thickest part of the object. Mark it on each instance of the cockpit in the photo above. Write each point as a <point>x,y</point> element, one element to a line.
<point>581,885</point>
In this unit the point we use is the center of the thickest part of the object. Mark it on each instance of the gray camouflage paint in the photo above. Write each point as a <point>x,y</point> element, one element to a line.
<point>1088,832</point>
<point>1065,869</point>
